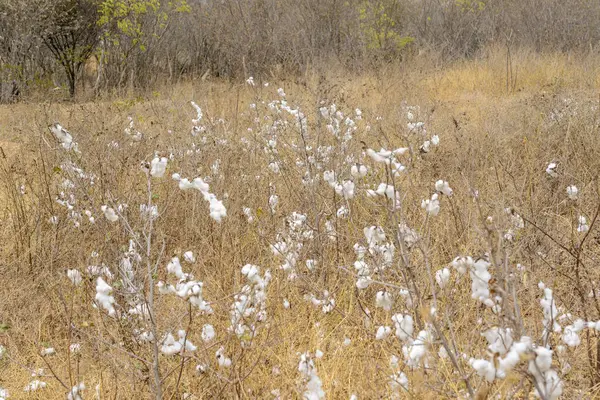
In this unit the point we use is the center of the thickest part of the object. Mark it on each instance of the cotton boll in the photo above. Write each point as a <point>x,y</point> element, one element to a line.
<point>49,351</point>
<point>432,207</point>
<point>484,368</point>
<point>383,332</point>
<point>551,170</point>
<point>34,385</point>
<point>75,276</point>
<point>103,296</point>
<point>442,277</point>
<point>109,213</point>
<point>435,140</point>
<point>443,187</point>
<point>573,192</point>
<point>273,202</point>
<point>75,392</point>
<point>384,300</point>
<point>158,167</point>
<point>404,326</point>
<point>189,257</point>
<point>223,361</point>
<point>174,267</point>
<point>582,226</point>
<point>358,171</point>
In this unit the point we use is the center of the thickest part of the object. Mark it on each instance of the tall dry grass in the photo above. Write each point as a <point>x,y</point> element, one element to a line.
<point>495,138</point>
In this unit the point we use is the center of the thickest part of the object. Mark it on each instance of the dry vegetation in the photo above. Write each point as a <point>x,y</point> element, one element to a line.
<point>496,141</point>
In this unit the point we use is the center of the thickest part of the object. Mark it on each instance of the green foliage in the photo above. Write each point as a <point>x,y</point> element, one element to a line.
<point>129,18</point>
<point>378,25</point>
<point>470,5</point>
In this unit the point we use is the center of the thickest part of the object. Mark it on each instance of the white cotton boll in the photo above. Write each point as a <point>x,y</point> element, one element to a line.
<point>432,207</point>
<point>435,140</point>
<point>103,296</point>
<point>75,348</point>
<point>442,277</point>
<point>484,369</point>
<point>250,81</point>
<point>109,213</point>
<point>342,212</point>
<point>189,257</point>
<point>286,304</point>
<point>383,332</point>
<point>34,385</point>
<point>170,346</point>
<point>281,92</point>
<point>499,340</point>
<point>273,202</point>
<point>573,192</point>
<point>174,267</point>
<point>582,226</point>
<point>404,326</point>
<point>363,282</point>
<point>3,394</point>
<point>443,187</point>
<point>551,384</point>
<point>176,177</point>
<point>318,354</point>
<point>358,171</point>
<point>64,137</point>
<point>551,169</point>
<point>426,146</point>
<point>224,362</point>
<point>415,351</point>
<point>550,312</point>
<point>274,167</point>
<point>217,209</point>
<point>75,392</point>
<point>542,361</point>
<point>480,278</point>
<point>49,351</point>
<point>75,276</point>
<point>185,341</point>
<point>398,383</point>
<point>158,167</point>
<point>384,300</point>
<point>208,333</point>
<point>442,353</point>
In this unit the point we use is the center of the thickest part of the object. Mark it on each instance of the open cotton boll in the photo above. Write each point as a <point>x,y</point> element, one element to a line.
<point>34,385</point>
<point>109,213</point>
<point>384,300</point>
<point>75,392</point>
<point>103,296</point>
<point>442,277</point>
<point>75,276</point>
<point>63,136</point>
<point>170,346</point>
<point>208,333</point>
<point>158,167</point>
<point>432,207</point>
<point>217,209</point>
<point>189,257</point>
<point>414,352</point>
<point>582,226</point>
<point>223,361</point>
<point>174,267</point>
<point>551,169</point>
<point>358,171</point>
<point>443,187</point>
<point>383,332</point>
<point>404,326</point>
<point>49,351</point>
<point>484,368</point>
<point>573,192</point>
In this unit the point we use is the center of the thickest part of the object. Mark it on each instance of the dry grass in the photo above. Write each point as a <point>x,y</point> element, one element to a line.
<point>495,140</point>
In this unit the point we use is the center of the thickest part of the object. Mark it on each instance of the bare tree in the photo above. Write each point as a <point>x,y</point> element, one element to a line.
<point>69,29</point>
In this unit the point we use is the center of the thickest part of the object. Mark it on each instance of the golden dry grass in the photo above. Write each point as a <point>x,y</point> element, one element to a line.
<point>495,140</point>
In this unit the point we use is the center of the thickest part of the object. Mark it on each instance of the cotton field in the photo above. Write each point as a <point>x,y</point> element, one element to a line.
<point>264,242</point>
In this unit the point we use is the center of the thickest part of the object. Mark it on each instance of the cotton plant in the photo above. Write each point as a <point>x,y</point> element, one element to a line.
<point>313,386</point>
<point>216,208</point>
<point>186,287</point>
<point>249,308</point>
